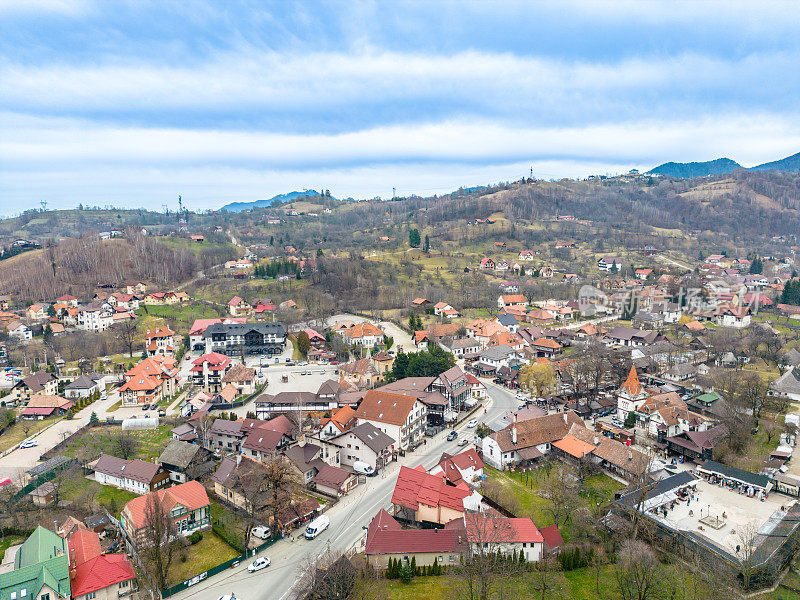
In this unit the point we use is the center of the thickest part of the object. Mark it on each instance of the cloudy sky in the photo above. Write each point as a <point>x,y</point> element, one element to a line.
<point>132,103</point>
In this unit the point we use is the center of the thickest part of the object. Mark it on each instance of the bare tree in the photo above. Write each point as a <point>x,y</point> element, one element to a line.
<point>125,332</point>
<point>329,576</point>
<point>252,479</point>
<point>156,542</point>
<point>281,485</point>
<point>542,580</point>
<point>560,489</point>
<point>747,542</point>
<point>637,572</point>
<point>125,445</point>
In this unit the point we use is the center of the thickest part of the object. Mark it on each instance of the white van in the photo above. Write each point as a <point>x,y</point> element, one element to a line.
<point>364,468</point>
<point>317,526</point>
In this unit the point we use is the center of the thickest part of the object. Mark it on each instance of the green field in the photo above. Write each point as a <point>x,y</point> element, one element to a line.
<point>209,552</point>
<point>100,439</point>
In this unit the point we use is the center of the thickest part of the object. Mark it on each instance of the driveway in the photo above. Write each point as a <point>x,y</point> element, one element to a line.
<point>20,460</point>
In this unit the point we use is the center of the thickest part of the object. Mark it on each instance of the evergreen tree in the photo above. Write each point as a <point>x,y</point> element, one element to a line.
<point>427,247</point>
<point>414,238</point>
<point>756,267</point>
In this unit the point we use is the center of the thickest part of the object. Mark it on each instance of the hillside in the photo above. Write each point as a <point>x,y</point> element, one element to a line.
<point>720,166</point>
<point>788,164</point>
<point>279,199</point>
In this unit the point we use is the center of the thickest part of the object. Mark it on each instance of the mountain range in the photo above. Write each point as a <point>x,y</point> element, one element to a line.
<point>721,166</point>
<point>280,198</point>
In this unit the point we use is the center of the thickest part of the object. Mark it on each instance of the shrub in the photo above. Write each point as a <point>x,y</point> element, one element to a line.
<point>195,538</point>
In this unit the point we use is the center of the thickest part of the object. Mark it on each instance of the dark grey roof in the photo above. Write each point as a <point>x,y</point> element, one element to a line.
<point>497,352</point>
<point>243,328</point>
<point>49,465</point>
<point>507,320</point>
<point>662,487</point>
<point>288,398</point>
<point>178,454</point>
<point>328,388</point>
<point>226,427</point>
<point>373,437</point>
<point>786,383</point>
<point>755,479</point>
<point>137,470</point>
<point>84,382</point>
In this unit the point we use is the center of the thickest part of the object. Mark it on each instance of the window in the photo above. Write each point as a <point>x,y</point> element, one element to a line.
<point>44,597</point>
<point>122,584</point>
<point>90,596</point>
<point>13,595</point>
<point>23,592</point>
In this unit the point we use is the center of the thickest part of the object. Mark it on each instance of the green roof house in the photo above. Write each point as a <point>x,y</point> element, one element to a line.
<point>41,569</point>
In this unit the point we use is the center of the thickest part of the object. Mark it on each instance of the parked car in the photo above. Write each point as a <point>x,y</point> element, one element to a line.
<point>520,396</point>
<point>29,444</point>
<point>473,423</point>
<point>145,407</point>
<point>463,442</point>
<point>261,531</point>
<point>302,364</point>
<point>258,564</point>
<point>451,436</point>
<point>162,413</point>
<point>364,468</point>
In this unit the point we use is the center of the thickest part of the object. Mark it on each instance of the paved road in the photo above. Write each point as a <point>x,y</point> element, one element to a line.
<point>20,460</point>
<point>348,518</point>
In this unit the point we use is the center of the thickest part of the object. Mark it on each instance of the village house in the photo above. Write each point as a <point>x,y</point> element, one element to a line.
<point>511,301</point>
<point>238,307</point>
<point>161,340</point>
<point>19,331</point>
<point>82,387</point>
<point>466,466</point>
<point>364,334</point>
<point>388,540</point>
<point>94,575</point>
<point>609,264</point>
<point>526,441</point>
<point>186,503</point>
<point>40,382</point>
<point>135,476</point>
<point>40,569</point>
<point>41,406</point>
<point>399,416</point>
<point>503,535</point>
<point>422,498</point>
<point>184,461</point>
<point>149,381</point>
<point>364,443</point>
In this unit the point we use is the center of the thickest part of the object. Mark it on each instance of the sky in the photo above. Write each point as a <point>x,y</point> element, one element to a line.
<point>129,104</point>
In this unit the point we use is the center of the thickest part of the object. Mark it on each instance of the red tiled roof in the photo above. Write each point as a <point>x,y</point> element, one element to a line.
<point>101,572</point>
<point>386,536</point>
<point>191,494</point>
<point>501,529</point>
<point>83,545</point>
<point>416,487</point>
<point>552,537</point>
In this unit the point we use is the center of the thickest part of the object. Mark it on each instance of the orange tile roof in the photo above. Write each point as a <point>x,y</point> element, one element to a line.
<point>574,446</point>
<point>191,495</point>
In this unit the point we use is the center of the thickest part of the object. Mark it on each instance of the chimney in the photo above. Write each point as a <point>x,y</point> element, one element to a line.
<point>514,429</point>
<point>596,441</point>
<point>630,454</point>
<point>564,414</point>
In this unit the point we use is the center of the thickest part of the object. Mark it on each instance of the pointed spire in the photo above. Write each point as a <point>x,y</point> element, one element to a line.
<point>632,385</point>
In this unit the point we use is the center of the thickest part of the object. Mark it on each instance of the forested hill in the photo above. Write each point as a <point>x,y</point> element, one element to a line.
<point>720,166</point>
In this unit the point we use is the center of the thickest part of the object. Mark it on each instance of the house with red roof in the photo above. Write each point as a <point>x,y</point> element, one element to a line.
<point>490,535</point>
<point>421,497</point>
<point>466,466</point>
<point>161,340</point>
<point>364,334</point>
<point>387,539</point>
<point>149,381</point>
<point>238,306</point>
<point>340,420</point>
<point>511,301</point>
<point>552,539</point>
<point>187,504</point>
<point>737,317</point>
<point>208,371</point>
<point>94,575</point>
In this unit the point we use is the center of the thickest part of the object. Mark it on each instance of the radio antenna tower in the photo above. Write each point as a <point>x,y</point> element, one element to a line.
<point>44,205</point>
<point>181,215</point>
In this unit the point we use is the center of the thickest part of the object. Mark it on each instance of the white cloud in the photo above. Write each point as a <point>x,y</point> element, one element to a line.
<point>503,84</point>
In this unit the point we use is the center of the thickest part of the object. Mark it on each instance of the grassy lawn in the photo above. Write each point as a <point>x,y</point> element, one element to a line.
<point>114,406</point>
<point>151,441</point>
<point>209,552</point>
<point>110,497</point>
<point>16,432</point>
<point>181,316</point>
<point>524,488</point>
<point>579,584</point>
